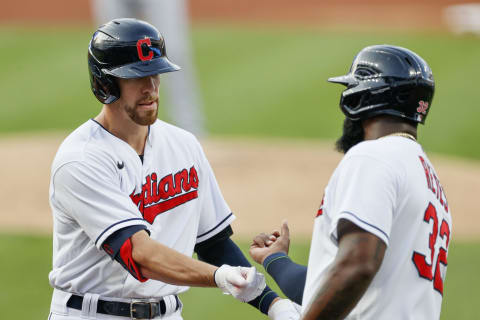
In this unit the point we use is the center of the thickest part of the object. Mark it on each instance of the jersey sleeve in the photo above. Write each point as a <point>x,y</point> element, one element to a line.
<point>215,214</point>
<point>119,247</point>
<point>91,197</point>
<point>116,240</point>
<point>365,194</point>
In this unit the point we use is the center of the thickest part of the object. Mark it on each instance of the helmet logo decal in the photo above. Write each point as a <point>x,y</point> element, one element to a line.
<point>140,52</point>
<point>422,107</point>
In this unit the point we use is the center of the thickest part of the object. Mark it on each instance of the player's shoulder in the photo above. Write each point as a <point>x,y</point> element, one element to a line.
<point>75,142</point>
<point>389,149</point>
<point>79,145</point>
<point>391,152</point>
<point>165,128</point>
<point>173,134</point>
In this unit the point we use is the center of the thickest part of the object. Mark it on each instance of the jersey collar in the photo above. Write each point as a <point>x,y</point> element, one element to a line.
<point>149,135</point>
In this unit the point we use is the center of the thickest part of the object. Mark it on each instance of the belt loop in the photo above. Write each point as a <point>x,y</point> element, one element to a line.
<point>179,303</point>
<point>168,304</point>
<point>172,303</point>
<point>59,301</point>
<point>86,305</point>
<point>93,305</point>
<point>89,306</point>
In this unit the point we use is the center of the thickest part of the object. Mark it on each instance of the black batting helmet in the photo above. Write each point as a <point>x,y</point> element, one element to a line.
<point>385,79</point>
<point>125,48</point>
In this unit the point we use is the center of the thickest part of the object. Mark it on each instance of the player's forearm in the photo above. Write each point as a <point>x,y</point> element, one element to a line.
<point>159,262</point>
<point>288,275</point>
<point>358,259</point>
<point>176,268</point>
<point>339,293</point>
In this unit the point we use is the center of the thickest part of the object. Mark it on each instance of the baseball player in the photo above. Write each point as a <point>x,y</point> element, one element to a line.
<point>183,103</point>
<point>381,234</point>
<point>133,197</point>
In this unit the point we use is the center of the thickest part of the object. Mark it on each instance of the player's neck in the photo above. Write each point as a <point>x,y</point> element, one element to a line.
<point>382,126</point>
<point>124,128</point>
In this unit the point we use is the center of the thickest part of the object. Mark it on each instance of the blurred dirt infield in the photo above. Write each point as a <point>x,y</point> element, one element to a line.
<point>263,181</point>
<point>410,14</point>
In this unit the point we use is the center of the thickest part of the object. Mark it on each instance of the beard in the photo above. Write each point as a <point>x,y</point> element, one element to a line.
<point>141,117</point>
<point>352,134</point>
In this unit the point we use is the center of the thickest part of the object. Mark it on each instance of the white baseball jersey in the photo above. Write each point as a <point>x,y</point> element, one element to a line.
<point>100,185</point>
<point>389,188</point>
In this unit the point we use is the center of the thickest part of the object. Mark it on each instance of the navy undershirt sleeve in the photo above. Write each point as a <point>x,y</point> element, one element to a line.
<point>116,240</point>
<point>114,245</point>
<point>289,276</point>
<point>220,249</point>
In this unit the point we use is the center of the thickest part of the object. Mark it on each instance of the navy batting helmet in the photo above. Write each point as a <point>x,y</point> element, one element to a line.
<point>125,48</point>
<point>385,79</point>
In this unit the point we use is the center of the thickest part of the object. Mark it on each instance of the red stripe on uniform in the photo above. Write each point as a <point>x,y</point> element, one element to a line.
<point>150,213</point>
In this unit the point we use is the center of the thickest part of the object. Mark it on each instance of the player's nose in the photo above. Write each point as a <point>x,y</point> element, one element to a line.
<point>151,84</point>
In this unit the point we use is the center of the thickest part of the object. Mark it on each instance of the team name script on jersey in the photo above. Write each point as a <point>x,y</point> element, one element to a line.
<point>434,184</point>
<point>158,196</point>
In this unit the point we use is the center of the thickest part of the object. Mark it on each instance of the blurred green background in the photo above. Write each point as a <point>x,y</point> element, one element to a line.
<point>271,81</point>
<point>258,81</point>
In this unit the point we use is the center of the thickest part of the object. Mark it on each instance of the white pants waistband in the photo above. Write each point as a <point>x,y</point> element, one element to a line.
<point>90,300</point>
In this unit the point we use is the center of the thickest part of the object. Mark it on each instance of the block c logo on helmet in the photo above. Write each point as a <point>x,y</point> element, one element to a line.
<point>140,52</point>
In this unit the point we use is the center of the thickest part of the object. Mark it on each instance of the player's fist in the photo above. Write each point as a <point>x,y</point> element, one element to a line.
<point>264,245</point>
<point>284,309</point>
<point>244,284</point>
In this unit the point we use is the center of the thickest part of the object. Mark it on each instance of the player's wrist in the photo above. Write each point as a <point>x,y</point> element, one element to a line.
<point>265,300</point>
<point>284,309</point>
<point>273,302</point>
<point>219,276</point>
<point>272,258</point>
<point>214,279</point>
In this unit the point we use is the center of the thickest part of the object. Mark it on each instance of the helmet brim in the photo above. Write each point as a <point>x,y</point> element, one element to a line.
<point>143,68</point>
<point>346,80</point>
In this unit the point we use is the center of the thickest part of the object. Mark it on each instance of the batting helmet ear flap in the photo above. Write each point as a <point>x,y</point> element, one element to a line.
<point>104,87</point>
<point>113,90</point>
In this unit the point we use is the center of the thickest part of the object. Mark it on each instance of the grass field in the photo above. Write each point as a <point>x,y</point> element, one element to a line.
<point>26,294</point>
<point>255,81</point>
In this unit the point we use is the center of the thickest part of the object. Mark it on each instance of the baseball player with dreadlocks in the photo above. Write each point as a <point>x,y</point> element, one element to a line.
<point>133,197</point>
<point>381,235</point>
